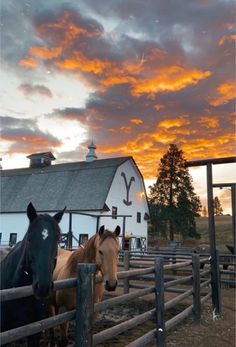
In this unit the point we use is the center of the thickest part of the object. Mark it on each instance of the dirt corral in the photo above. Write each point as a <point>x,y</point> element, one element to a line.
<point>219,332</point>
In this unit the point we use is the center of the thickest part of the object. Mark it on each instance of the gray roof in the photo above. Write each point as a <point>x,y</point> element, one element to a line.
<point>80,186</point>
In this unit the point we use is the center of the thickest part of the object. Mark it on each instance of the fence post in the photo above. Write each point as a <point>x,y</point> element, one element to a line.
<point>126,268</point>
<point>84,305</point>
<point>196,288</point>
<point>160,304</point>
<point>215,284</point>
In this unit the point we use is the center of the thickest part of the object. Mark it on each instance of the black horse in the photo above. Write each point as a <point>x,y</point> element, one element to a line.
<point>30,262</point>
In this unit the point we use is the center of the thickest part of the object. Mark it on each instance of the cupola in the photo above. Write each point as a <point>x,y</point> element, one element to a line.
<point>91,155</point>
<point>41,159</point>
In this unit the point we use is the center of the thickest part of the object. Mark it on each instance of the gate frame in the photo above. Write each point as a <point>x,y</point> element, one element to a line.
<point>215,277</point>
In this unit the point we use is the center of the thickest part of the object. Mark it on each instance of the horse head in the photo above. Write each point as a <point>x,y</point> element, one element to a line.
<point>41,249</point>
<point>107,249</point>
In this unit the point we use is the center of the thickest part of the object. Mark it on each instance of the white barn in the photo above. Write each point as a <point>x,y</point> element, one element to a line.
<point>95,192</point>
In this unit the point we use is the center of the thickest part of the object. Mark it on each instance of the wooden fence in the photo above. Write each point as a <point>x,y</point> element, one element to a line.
<point>226,261</point>
<point>157,273</point>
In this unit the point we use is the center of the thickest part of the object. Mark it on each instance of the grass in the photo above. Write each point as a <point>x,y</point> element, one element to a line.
<point>223,228</point>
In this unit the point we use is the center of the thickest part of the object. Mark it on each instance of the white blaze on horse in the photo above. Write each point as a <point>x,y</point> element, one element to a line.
<point>101,249</point>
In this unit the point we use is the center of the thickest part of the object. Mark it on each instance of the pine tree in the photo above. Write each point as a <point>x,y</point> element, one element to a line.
<point>173,203</point>
<point>218,210</point>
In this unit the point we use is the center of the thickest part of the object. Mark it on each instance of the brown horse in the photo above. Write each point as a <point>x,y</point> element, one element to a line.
<point>101,249</point>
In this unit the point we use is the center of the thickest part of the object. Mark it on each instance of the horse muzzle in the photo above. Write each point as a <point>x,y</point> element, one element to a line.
<point>109,287</point>
<point>42,291</point>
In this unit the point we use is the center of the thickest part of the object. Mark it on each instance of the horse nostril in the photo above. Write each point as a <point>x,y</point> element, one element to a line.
<point>110,288</point>
<point>42,290</point>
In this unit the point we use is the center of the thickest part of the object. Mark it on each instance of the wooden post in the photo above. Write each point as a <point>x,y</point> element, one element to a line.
<point>212,240</point>
<point>84,305</point>
<point>196,288</point>
<point>70,234</point>
<point>217,309</point>
<point>126,268</point>
<point>160,304</point>
<point>123,233</point>
<point>233,198</point>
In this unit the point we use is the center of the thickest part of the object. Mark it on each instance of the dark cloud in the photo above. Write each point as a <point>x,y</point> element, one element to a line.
<point>12,122</point>
<point>25,140</point>
<point>29,90</point>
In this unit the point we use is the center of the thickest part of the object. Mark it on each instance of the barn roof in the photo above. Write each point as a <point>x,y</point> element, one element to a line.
<point>80,186</point>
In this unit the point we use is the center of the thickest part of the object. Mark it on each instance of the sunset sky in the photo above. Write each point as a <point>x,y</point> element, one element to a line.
<point>132,75</point>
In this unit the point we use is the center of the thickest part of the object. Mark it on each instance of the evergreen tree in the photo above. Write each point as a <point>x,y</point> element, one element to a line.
<point>218,210</point>
<point>173,203</point>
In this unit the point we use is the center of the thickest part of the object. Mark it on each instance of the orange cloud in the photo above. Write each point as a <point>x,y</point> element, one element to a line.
<point>173,122</point>
<point>209,122</point>
<point>136,121</point>
<point>142,74</point>
<point>172,78</point>
<point>67,25</point>
<point>80,61</point>
<point>44,52</point>
<point>226,92</point>
<point>28,62</point>
<point>158,107</point>
<point>30,143</point>
<point>226,38</point>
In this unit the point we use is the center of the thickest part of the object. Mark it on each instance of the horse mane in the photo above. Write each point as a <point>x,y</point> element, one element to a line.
<point>87,253</point>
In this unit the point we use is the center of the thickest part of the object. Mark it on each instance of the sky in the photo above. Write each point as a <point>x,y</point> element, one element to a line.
<point>133,76</point>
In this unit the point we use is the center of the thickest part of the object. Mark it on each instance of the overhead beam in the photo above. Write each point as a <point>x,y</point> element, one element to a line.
<point>226,160</point>
<point>223,185</point>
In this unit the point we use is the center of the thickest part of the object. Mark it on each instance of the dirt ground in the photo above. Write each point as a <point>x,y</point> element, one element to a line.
<point>209,333</point>
<point>218,332</point>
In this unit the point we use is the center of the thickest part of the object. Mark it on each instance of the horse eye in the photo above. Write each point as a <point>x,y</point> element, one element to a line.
<point>100,252</point>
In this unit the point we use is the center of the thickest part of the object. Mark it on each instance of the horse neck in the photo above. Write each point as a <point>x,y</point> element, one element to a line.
<point>84,254</point>
<point>90,250</point>
<point>17,258</point>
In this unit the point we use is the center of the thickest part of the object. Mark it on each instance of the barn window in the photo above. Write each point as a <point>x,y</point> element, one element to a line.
<point>114,212</point>
<point>83,238</point>
<point>64,240</point>
<point>138,217</point>
<point>12,239</point>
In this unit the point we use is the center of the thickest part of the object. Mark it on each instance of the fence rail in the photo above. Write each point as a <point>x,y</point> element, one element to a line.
<point>159,273</point>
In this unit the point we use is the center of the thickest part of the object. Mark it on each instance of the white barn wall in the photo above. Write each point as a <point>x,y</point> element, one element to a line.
<point>13,223</point>
<point>136,194</point>
<point>18,223</point>
<point>82,225</point>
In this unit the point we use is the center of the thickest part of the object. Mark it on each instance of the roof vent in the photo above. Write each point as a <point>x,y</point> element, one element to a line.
<point>41,159</point>
<point>91,156</point>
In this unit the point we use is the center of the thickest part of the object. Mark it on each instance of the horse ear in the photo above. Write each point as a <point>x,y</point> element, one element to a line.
<point>58,216</point>
<point>117,230</point>
<point>101,230</point>
<point>31,212</point>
